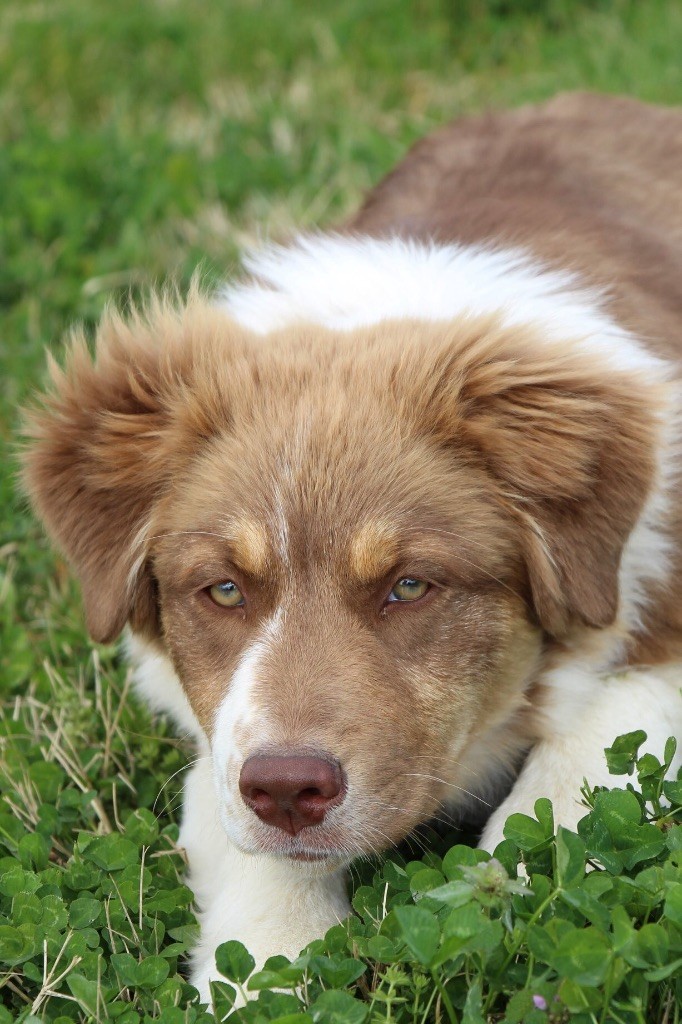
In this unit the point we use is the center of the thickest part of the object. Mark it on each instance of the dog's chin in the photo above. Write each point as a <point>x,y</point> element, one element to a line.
<point>313,846</point>
<point>311,856</point>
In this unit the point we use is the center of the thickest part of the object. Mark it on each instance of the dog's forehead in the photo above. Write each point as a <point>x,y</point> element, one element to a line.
<point>339,486</point>
<point>310,494</point>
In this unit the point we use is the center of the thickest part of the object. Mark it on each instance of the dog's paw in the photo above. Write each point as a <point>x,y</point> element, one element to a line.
<point>493,833</point>
<point>201,976</point>
<point>567,813</point>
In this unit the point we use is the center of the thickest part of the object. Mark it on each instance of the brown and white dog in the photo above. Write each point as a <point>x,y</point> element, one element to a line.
<point>399,509</point>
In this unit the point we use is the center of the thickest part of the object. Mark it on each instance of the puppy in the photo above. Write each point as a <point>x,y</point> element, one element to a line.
<point>397,516</point>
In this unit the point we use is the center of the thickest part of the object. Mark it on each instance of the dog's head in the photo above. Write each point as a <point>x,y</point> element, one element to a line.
<point>352,546</point>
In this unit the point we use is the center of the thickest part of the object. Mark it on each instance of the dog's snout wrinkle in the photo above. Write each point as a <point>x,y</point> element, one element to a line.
<point>291,791</point>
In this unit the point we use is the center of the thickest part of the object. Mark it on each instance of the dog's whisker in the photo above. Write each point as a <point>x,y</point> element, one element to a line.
<point>447,820</point>
<point>452,785</point>
<point>186,767</point>
<point>446,759</point>
<point>477,566</point>
<point>189,533</point>
<point>361,836</point>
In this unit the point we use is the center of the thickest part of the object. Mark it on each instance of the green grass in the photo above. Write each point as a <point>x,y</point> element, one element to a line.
<point>138,140</point>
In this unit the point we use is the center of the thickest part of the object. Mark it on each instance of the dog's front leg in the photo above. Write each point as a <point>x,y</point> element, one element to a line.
<point>578,730</point>
<point>272,905</point>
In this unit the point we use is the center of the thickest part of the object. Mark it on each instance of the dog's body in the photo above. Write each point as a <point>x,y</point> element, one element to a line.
<point>398,510</point>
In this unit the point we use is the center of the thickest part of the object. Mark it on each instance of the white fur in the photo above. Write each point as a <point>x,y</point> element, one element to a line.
<point>647,554</point>
<point>156,680</point>
<point>282,531</point>
<point>272,905</point>
<point>556,766</point>
<point>346,282</point>
<point>237,715</point>
<point>138,550</point>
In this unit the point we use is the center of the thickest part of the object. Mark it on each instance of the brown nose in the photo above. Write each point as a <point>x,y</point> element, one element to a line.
<point>291,791</point>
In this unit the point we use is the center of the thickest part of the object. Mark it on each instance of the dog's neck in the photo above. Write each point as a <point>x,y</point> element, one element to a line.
<point>345,282</point>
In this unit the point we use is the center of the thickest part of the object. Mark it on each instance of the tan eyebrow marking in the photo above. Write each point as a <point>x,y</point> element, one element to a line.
<point>251,547</point>
<point>373,550</point>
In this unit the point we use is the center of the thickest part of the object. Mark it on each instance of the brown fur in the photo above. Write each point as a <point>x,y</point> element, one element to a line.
<point>507,471</point>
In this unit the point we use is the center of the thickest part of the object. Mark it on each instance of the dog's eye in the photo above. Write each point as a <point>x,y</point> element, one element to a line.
<point>227,594</point>
<point>408,589</point>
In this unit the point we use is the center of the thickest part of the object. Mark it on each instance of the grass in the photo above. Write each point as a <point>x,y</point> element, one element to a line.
<point>137,141</point>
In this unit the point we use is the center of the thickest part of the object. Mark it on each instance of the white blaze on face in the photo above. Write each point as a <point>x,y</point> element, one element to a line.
<point>240,729</point>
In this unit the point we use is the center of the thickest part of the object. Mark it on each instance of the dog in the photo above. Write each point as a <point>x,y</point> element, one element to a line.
<point>396,518</point>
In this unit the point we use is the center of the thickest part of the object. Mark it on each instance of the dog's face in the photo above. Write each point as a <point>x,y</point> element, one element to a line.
<point>331,583</point>
<point>351,547</point>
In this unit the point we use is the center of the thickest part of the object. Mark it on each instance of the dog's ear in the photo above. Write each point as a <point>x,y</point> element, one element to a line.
<point>573,437</point>
<point>105,444</point>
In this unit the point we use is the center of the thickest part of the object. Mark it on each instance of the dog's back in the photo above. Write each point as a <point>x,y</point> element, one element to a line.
<point>588,182</point>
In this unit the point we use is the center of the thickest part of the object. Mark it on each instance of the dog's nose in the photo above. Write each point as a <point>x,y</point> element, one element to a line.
<point>291,791</point>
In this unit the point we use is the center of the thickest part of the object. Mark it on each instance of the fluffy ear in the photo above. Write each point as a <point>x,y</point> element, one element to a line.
<point>574,440</point>
<point>105,444</point>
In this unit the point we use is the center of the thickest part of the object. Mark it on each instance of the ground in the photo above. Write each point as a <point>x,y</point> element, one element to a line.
<point>142,139</point>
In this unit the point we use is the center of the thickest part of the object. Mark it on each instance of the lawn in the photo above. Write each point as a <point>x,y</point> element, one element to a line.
<point>139,140</point>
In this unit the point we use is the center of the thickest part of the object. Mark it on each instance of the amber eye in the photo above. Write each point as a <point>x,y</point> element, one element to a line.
<point>408,589</point>
<point>227,594</point>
